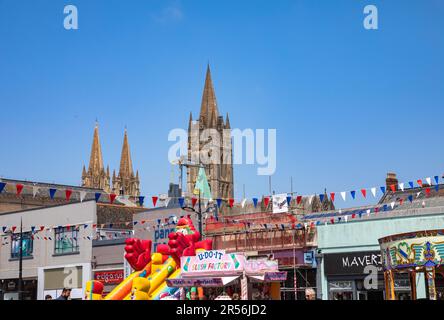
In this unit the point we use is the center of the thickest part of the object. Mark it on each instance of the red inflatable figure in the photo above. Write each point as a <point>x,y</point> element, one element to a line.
<point>183,242</point>
<point>138,253</point>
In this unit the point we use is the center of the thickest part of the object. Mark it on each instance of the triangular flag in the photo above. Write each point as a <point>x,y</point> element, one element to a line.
<point>288,200</point>
<point>193,201</point>
<point>82,195</point>
<point>298,199</point>
<point>13,228</point>
<point>419,181</point>
<point>353,193</point>
<point>34,191</point>
<point>437,179</point>
<point>383,190</point>
<point>321,197</point>
<point>255,202</point>
<point>392,204</point>
<point>410,198</point>
<point>97,196</point>
<point>266,201</point>
<point>418,193</point>
<point>373,190</point>
<point>52,192</point>
<point>429,181</point>
<point>154,198</point>
<point>181,202</point>
<point>437,187</point>
<point>401,186</point>
<point>401,201</point>
<point>219,202</point>
<point>310,200</point>
<point>2,186</point>
<point>332,196</point>
<point>68,193</point>
<point>243,202</point>
<point>343,195</point>
<point>112,197</point>
<point>411,184</point>
<point>167,201</point>
<point>364,193</point>
<point>231,202</point>
<point>19,188</point>
<point>393,187</point>
<point>427,191</point>
<point>141,200</point>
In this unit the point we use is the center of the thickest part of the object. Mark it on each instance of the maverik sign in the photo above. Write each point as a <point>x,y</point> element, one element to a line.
<point>351,262</point>
<point>212,262</point>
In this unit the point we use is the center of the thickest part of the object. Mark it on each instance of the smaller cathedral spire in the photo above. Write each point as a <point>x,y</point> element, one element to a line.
<point>125,182</point>
<point>95,176</point>
<point>96,160</point>
<point>126,166</point>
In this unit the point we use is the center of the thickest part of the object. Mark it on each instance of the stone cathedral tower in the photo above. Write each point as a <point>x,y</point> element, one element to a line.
<point>219,175</point>
<point>126,182</point>
<point>96,176</point>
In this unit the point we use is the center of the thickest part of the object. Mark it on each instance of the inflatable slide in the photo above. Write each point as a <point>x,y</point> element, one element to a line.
<point>148,281</point>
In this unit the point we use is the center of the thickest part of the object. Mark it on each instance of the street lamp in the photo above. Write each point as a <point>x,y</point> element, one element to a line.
<point>198,212</point>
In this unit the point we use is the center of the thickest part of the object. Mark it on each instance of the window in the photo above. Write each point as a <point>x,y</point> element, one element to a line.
<point>27,245</point>
<point>66,240</point>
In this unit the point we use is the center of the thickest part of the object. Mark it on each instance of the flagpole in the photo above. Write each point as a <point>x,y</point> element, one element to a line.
<point>199,214</point>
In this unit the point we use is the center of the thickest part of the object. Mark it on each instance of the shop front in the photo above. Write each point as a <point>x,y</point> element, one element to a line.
<point>354,275</point>
<point>300,265</point>
<point>9,289</point>
<point>221,275</point>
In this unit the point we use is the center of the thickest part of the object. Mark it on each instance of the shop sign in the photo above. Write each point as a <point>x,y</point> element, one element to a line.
<point>309,258</point>
<point>255,266</point>
<point>351,262</point>
<point>275,276</point>
<point>211,262</point>
<point>109,277</point>
<point>206,282</point>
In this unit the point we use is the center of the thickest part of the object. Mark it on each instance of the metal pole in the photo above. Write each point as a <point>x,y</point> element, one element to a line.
<point>199,214</point>
<point>20,280</point>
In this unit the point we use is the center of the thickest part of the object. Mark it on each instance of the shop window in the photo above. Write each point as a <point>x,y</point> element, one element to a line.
<point>27,245</point>
<point>66,240</point>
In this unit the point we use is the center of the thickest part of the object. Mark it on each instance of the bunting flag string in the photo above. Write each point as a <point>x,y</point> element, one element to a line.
<point>45,232</point>
<point>68,192</point>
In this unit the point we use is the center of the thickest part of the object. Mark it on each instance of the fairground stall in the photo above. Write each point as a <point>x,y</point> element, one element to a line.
<point>215,274</point>
<point>414,253</point>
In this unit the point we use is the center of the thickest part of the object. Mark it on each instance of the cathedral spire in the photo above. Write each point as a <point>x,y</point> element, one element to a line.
<point>125,183</point>
<point>96,160</point>
<point>208,108</point>
<point>95,176</point>
<point>126,166</point>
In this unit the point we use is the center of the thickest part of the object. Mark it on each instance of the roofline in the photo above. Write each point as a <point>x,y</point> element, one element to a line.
<point>37,183</point>
<point>44,207</point>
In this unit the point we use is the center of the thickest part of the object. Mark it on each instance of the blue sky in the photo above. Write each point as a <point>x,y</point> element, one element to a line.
<point>348,104</point>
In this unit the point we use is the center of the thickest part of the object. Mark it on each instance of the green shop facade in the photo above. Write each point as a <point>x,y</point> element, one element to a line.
<point>349,261</point>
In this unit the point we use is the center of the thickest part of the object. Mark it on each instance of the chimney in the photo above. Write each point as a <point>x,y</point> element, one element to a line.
<point>391,180</point>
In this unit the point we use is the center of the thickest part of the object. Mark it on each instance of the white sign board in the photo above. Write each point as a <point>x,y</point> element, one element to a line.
<point>280,204</point>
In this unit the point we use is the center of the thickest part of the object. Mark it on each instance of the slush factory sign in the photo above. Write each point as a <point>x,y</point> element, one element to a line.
<point>351,262</point>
